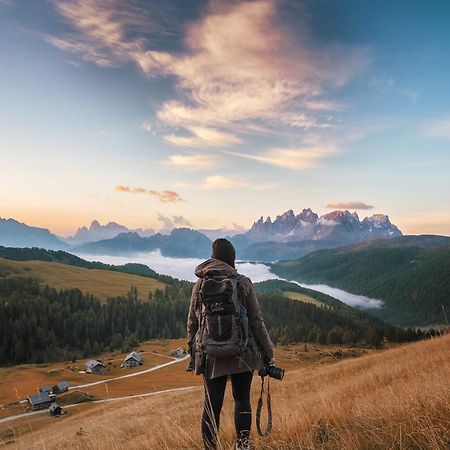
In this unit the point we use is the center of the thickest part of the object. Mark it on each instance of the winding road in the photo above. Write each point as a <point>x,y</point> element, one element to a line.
<point>94,383</point>
<point>127,397</point>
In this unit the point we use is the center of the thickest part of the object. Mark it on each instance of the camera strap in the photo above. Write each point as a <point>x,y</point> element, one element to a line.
<point>260,407</point>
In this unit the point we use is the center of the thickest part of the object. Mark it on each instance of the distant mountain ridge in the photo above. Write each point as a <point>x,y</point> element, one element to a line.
<point>97,232</point>
<point>288,236</point>
<point>291,235</point>
<point>307,225</point>
<point>180,243</point>
<point>16,234</point>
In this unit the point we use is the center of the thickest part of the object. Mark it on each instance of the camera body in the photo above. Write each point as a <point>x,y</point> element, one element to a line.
<point>272,371</point>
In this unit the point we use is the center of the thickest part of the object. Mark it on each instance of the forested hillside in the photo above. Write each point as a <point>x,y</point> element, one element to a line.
<point>411,276</point>
<point>40,324</point>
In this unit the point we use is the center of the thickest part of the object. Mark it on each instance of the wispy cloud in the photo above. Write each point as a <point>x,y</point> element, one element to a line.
<point>194,161</point>
<point>201,136</point>
<point>164,196</point>
<point>240,72</point>
<point>291,158</point>
<point>171,222</point>
<point>227,182</point>
<point>349,205</point>
<point>438,128</point>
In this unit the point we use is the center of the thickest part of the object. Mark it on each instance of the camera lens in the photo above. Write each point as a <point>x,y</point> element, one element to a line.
<point>276,372</point>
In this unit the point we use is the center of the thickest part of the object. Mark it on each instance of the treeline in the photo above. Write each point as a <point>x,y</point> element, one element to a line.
<point>39,324</point>
<point>42,324</point>
<point>291,321</point>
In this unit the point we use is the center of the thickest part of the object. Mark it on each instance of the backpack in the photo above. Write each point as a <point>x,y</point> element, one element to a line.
<point>224,318</point>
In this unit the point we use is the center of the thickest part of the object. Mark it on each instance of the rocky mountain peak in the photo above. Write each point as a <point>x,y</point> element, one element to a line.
<point>308,215</point>
<point>95,225</point>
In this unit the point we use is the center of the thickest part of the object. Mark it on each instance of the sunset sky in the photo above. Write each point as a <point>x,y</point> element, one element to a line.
<point>215,113</point>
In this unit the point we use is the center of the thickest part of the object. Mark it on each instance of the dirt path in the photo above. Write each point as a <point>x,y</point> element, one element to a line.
<point>134,374</point>
<point>127,397</point>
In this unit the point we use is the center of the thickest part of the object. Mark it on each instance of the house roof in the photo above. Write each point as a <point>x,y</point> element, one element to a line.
<point>45,388</point>
<point>94,363</point>
<point>62,384</point>
<point>37,399</point>
<point>133,355</point>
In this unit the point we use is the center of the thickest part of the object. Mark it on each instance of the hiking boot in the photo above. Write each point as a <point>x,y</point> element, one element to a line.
<point>243,444</point>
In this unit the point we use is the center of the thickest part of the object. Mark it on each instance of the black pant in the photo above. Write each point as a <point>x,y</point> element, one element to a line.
<point>214,393</point>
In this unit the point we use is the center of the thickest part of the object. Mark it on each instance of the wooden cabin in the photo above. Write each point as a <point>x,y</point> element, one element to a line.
<point>133,359</point>
<point>95,367</point>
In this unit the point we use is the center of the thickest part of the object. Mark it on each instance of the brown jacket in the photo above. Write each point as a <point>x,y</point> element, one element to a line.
<point>259,344</point>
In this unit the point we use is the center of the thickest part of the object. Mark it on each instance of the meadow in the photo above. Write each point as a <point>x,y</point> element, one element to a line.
<point>397,398</point>
<point>99,282</point>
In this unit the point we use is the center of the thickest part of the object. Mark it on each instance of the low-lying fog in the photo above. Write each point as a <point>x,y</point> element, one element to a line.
<point>183,268</point>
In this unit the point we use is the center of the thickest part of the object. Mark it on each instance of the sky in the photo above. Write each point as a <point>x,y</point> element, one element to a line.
<point>212,113</point>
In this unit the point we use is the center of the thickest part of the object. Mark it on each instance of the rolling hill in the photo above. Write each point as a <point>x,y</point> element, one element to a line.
<point>411,274</point>
<point>99,282</point>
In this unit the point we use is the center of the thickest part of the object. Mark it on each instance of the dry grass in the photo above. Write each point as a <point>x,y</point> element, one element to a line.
<point>398,399</point>
<point>17,382</point>
<point>301,297</point>
<point>101,283</point>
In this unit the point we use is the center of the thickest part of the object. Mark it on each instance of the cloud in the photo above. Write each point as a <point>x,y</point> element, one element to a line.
<point>221,182</point>
<point>171,222</point>
<point>203,137</point>
<point>291,158</point>
<point>164,196</point>
<point>439,128</point>
<point>240,71</point>
<point>167,196</point>
<point>195,161</point>
<point>244,67</point>
<point>349,205</point>
<point>226,182</point>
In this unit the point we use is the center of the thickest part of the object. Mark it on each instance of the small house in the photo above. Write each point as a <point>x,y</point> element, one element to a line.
<point>95,367</point>
<point>55,409</point>
<point>61,387</point>
<point>178,353</point>
<point>39,401</point>
<point>45,390</point>
<point>133,359</point>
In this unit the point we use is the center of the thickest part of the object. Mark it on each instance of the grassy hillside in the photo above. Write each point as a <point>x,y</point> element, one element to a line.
<point>412,276</point>
<point>101,283</point>
<point>398,399</point>
<point>59,256</point>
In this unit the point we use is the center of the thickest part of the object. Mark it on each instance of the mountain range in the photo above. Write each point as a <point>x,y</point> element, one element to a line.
<point>289,235</point>
<point>17,234</point>
<point>180,243</point>
<point>97,232</point>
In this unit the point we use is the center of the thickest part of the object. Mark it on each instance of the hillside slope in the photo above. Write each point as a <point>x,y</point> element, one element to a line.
<point>397,399</point>
<point>410,274</point>
<point>99,282</point>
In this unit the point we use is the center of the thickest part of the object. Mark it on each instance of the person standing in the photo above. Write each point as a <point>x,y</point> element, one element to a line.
<point>217,368</point>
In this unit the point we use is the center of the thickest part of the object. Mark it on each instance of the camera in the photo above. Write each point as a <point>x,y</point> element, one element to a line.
<point>272,371</point>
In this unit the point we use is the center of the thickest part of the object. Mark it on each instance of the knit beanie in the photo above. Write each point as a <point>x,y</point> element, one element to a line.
<point>223,250</point>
